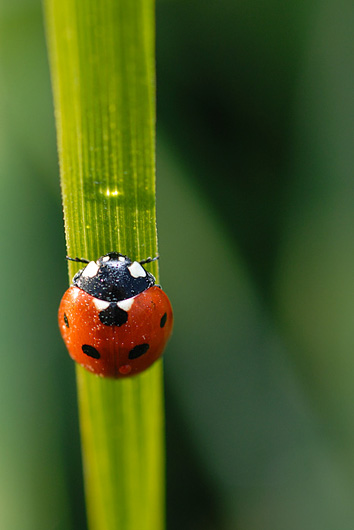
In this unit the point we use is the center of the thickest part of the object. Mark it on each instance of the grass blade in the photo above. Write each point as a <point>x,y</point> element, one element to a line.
<point>102,64</point>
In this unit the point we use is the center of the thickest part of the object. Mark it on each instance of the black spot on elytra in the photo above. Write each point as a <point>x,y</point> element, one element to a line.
<point>163,320</point>
<point>66,320</point>
<point>138,350</point>
<point>113,316</point>
<point>90,351</point>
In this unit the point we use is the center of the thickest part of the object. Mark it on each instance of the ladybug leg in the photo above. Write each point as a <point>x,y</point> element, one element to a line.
<point>79,260</point>
<point>149,260</point>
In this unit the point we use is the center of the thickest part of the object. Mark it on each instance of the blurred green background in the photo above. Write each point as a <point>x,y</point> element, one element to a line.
<point>255,216</point>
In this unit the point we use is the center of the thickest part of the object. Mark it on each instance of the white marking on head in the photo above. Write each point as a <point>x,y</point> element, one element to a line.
<point>106,258</point>
<point>136,270</point>
<point>101,304</point>
<point>91,270</point>
<point>121,258</point>
<point>126,304</point>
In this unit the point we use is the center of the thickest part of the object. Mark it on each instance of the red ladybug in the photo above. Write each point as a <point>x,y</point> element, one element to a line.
<point>114,320</point>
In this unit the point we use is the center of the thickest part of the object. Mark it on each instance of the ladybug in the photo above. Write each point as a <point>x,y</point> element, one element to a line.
<point>114,319</point>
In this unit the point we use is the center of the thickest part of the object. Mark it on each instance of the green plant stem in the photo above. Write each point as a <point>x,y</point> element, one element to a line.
<point>102,63</point>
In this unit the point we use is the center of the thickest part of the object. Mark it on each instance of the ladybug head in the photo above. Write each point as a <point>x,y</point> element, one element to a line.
<point>113,277</point>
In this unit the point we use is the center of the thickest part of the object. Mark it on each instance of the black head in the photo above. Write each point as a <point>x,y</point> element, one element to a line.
<point>113,277</point>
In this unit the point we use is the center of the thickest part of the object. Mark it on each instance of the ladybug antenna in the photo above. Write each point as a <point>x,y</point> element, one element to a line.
<point>149,260</point>
<point>79,260</point>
